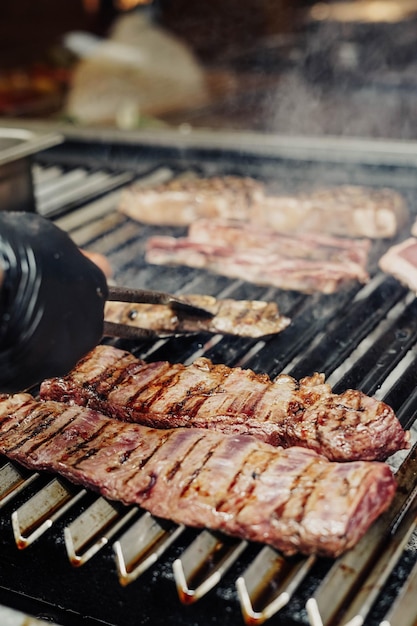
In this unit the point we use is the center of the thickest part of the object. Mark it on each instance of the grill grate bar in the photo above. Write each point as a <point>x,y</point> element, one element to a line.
<point>39,513</point>
<point>12,481</point>
<point>402,396</point>
<point>361,319</point>
<point>369,591</point>
<point>93,529</point>
<point>142,545</point>
<point>349,571</point>
<point>269,583</point>
<point>74,187</point>
<point>403,611</point>
<point>202,565</point>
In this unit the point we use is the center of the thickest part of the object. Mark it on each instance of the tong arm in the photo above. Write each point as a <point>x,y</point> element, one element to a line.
<point>126,294</point>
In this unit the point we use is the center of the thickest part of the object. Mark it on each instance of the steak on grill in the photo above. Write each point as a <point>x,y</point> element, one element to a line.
<point>294,499</point>
<point>308,246</point>
<point>283,412</point>
<point>306,263</point>
<point>180,201</point>
<point>345,210</point>
<point>245,318</point>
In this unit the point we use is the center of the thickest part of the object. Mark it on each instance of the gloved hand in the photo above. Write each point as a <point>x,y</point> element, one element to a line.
<point>51,301</point>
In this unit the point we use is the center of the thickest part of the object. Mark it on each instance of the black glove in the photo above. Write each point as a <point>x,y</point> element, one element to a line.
<point>51,301</point>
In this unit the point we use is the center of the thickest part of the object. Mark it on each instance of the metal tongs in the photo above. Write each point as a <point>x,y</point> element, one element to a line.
<point>145,296</point>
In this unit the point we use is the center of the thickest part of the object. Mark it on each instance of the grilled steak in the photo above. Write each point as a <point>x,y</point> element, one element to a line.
<point>401,262</point>
<point>294,500</point>
<point>344,210</point>
<point>180,201</point>
<point>306,263</point>
<point>283,412</point>
<point>312,246</point>
<point>246,318</point>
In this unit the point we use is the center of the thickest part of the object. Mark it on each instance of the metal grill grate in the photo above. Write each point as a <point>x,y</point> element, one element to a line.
<point>75,558</point>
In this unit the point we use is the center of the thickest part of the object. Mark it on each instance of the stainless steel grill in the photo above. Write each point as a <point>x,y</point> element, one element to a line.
<point>75,558</point>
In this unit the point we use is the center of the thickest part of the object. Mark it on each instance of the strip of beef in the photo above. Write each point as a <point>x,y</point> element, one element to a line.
<point>282,412</point>
<point>308,246</point>
<point>401,262</point>
<point>255,265</point>
<point>345,210</point>
<point>180,201</point>
<point>294,500</point>
<point>245,318</point>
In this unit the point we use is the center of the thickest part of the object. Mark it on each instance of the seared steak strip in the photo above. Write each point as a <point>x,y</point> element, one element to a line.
<point>307,263</point>
<point>282,412</point>
<point>245,318</point>
<point>180,201</point>
<point>309,246</point>
<point>294,499</point>
<point>344,210</point>
<point>255,265</point>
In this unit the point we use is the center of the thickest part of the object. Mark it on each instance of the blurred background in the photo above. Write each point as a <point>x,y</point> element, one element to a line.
<point>292,67</point>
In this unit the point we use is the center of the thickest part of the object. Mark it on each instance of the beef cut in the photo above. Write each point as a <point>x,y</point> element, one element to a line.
<point>283,412</point>
<point>344,210</point>
<point>294,499</point>
<point>307,263</point>
<point>244,318</point>
<point>180,201</point>
<point>401,262</point>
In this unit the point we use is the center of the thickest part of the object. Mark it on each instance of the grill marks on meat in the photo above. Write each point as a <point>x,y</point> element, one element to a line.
<point>344,210</point>
<point>308,263</point>
<point>347,426</point>
<point>246,318</point>
<point>180,201</point>
<point>294,499</point>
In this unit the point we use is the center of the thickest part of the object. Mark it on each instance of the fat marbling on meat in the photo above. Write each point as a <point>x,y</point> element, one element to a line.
<point>282,412</point>
<point>293,499</point>
<point>344,210</point>
<point>308,263</point>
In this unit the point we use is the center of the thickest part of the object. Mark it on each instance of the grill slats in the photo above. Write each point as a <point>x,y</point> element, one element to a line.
<point>404,608</point>
<point>93,529</point>
<point>142,544</point>
<point>39,513</point>
<point>268,584</point>
<point>203,563</point>
<point>350,571</point>
<point>12,481</point>
<point>364,337</point>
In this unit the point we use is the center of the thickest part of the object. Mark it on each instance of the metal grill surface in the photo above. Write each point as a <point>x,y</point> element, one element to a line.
<point>73,558</point>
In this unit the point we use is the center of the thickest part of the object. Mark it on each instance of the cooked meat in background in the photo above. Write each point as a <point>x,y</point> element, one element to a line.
<point>294,500</point>
<point>345,210</point>
<point>245,318</point>
<point>307,263</point>
<point>283,412</point>
<point>401,262</point>
<point>308,246</point>
<point>180,201</point>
